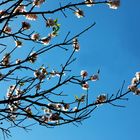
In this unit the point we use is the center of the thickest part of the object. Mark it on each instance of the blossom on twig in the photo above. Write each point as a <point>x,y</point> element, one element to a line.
<point>89,3</point>
<point>79,13</point>
<point>114,4</point>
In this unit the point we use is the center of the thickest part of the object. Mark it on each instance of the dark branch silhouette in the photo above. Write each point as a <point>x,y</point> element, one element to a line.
<point>26,99</point>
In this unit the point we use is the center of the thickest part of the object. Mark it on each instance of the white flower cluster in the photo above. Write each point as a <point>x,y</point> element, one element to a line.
<point>46,40</point>
<point>28,111</point>
<point>3,14</point>
<point>26,25</point>
<point>7,29</point>
<point>50,22</point>
<point>53,116</point>
<point>114,4</point>
<point>101,98</point>
<point>20,9</point>
<point>6,59</point>
<point>33,57</point>
<point>79,13</point>
<point>37,3</point>
<point>10,92</point>
<point>41,73</point>
<point>54,73</point>
<point>133,87</point>
<point>76,45</point>
<point>89,3</point>
<point>58,106</point>
<point>35,36</point>
<point>84,74</point>
<point>13,93</point>
<point>31,16</point>
<point>18,43</point>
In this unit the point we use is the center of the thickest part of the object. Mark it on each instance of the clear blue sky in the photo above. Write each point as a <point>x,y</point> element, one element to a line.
<point>113,46</point>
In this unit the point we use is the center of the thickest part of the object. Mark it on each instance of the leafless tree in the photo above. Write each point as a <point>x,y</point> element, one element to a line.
<point>28,100</point>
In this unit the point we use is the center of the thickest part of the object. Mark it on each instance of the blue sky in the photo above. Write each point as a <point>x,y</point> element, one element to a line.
<point>113,47</point>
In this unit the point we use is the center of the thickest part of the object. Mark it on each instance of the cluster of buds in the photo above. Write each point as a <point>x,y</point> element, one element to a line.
<point>41,73</point>
<point>133,87</point>
<point>89,3</point>
<point>6,59</point>
<point>101,98</point>
<point>33,57</point>
<point>31,16</point>
<point>76,45</point>
<point>25,25</point>
<point>79,13</point>
<point>114,4</point>
<point>37,3</point>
